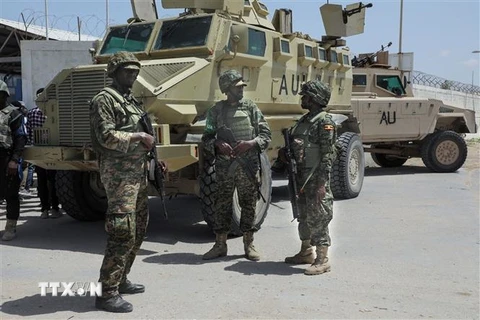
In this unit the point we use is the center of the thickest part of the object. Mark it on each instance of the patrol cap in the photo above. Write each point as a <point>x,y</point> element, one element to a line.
<point>4,88</point>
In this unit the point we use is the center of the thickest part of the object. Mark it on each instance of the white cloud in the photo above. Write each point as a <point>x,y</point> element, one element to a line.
<point>444,53</point>
<point>471,63</point>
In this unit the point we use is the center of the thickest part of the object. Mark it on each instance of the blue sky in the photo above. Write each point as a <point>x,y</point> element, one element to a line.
<point>442,34</point>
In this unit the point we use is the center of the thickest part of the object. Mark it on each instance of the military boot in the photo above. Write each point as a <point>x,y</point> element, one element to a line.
<point>306,254</point>
<point>128,287</point>
<point>320,265</point>
<point>219,248</point>
<point>10,230</point>
<point>250,252</point>
<point>113,304</point>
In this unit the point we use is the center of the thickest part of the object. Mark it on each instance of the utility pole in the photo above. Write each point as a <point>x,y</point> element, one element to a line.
<point>106,16</point>
<point>46,20</point>
<point>79,24</point>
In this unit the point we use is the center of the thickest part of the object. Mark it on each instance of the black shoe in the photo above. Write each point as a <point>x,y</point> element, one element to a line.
<point>113,304</point>
<point>130,288</point>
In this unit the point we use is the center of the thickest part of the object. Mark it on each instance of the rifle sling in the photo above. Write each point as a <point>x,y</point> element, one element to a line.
<point>310,174</point>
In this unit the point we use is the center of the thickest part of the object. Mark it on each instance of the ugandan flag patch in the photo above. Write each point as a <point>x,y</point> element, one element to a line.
<point>328,127</point>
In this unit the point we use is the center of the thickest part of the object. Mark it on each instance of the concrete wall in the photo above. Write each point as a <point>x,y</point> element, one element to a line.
<point>42,60</point>
<point>453,98</point>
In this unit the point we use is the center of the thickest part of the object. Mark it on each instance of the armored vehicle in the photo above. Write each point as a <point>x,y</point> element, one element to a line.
<point>181,59</point>
<point>396,126</point>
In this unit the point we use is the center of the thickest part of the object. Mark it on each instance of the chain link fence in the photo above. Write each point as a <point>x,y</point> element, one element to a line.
<point>429,80</point>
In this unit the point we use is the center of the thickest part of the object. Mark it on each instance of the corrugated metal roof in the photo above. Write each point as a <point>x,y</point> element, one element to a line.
<point>54,34</point>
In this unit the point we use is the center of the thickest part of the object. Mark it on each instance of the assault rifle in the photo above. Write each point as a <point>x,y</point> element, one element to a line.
<point>360,63</point>
<point>292,174</point>
<point>155,172</point>
<point>226,134</point>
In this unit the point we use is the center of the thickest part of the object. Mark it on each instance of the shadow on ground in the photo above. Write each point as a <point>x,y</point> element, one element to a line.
<point>278,268</point>
<point>187,258</point>
<point>37,305</point>
<point>243,266</point>
<point>185,224</point>
<point>378,171</point>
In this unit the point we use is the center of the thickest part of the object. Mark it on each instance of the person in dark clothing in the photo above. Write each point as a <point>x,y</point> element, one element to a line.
<point>13,138</point>
<point>45,178</point>
<point>47,193</point>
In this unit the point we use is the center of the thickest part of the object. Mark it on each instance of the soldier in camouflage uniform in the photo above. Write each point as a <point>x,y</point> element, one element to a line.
<point>235,134</point>
<point>13,138</point>
<point>122,147</point>
<point>313,144</point>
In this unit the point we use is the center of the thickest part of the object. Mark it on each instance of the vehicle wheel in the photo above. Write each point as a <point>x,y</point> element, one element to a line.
<point>387,161</point>
<point>349,167</point>
<point>444,151</point>
<point>208,189</point>
<point>81,194</point>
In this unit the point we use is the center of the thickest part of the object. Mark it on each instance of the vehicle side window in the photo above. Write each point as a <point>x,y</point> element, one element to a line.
<point>359,79</point>
<point>175,34</point>
<point>256,42</point>
<point>390,83</point>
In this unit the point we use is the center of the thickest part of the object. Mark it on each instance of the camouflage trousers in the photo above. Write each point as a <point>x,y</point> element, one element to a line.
<point>227,181</point>
<point>315,215</point>
<point>126,224</point>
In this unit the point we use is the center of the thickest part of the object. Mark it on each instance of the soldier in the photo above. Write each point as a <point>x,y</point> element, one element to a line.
<point>235,134</point>
<point>122,147</point>
<point>313,144</point>
<point>13,138</point>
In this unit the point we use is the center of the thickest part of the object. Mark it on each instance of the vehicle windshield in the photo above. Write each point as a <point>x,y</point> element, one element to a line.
<point>132,38</point>
<point>391,83</point>
<point>182,33</point>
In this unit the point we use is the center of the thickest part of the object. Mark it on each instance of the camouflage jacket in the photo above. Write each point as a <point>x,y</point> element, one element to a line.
<point>113,123</point>
<point>13,136</point>
<point>321,133</point>
<point>234,117</point>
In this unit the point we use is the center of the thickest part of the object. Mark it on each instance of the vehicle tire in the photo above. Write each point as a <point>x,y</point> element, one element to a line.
<point>387,161</point>
<point>349,167</point>
<point>208,188</point>
<point>444,151</point>
<point>81,194</point>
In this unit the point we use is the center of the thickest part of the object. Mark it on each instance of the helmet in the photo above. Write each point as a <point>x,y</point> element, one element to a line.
<point>316,89</point>
<point>122,58</point>
<point>4,88</point>
<point>230,78</point>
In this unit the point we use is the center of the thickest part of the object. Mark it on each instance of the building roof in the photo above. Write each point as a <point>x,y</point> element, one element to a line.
<point>12,32</point>
<point>53,34</point>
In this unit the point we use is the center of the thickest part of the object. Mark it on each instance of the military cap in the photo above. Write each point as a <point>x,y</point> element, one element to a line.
<point>4,88</point>
<point>122,59</point>
<point>230,78</point>
<point>316,89</point>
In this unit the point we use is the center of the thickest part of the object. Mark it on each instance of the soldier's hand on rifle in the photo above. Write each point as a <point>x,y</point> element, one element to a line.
<point>224,148</point>
<point>321,192</point>
<point>145,138</point>
<point>12,168</point>
<point>282,155</point>
<point>243,146</point>
<point>163,165</point>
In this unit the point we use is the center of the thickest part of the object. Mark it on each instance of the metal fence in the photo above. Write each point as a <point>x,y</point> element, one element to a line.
<point>425,79</point>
